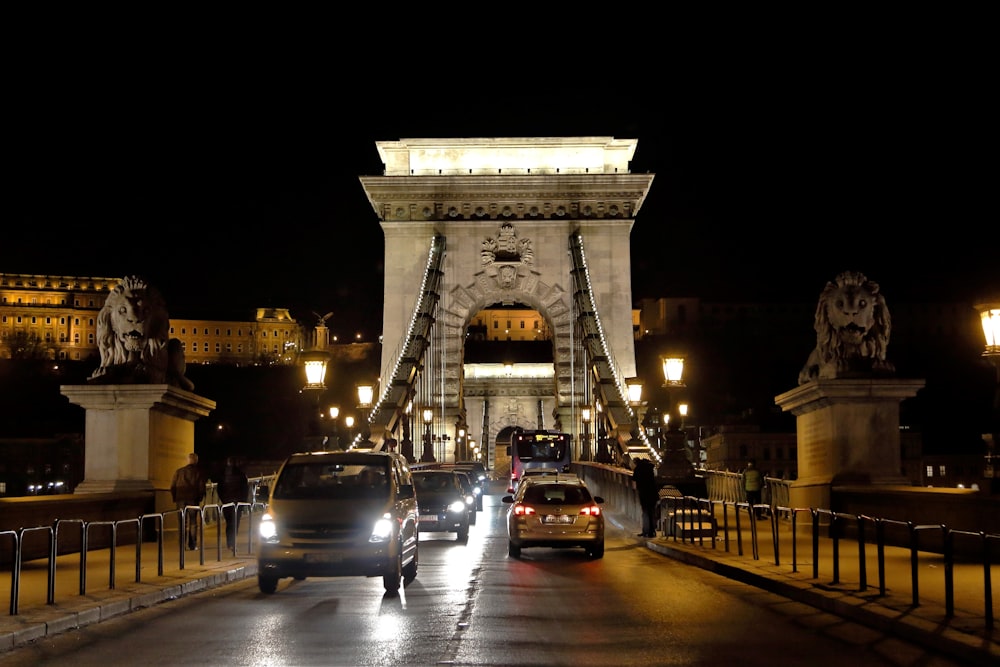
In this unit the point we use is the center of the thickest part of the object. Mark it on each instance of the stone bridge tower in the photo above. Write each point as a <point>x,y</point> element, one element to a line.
<point>506,209</point>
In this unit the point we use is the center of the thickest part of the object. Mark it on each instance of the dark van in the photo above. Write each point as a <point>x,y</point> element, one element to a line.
<point>337,514</point>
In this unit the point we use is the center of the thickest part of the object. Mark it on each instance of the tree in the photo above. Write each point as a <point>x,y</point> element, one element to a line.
<point>23,345</point>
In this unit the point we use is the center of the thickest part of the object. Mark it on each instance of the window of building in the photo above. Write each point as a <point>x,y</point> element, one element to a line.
<point>229,347</point>
<point>62,320</point>
<point>48,320</point>
<point>496,324</point>
<point>239,348</point>
<point>263,334</point>
<point>930,472</point>
<point>183,331</point>
<point>76,321</point>
<point>229,332</point>
<point>90,322</point>
<point>942,472</point>
<point>218,347</point>
<point>19,319</point>
<point>194,330</point>
<point>217,332</point>
<point>90,339</point>
<point>522,324</point>
<point>76,338</point>
<point>171,330</point>
<point>34,320</point>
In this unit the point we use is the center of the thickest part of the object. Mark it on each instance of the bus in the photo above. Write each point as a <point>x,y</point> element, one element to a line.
<point>538,450</point>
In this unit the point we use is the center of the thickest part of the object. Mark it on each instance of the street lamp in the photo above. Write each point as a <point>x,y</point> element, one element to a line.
<point>365,394</point>
<point>673,376</point>
<point>334,415</point>
<point>585,418</point>
<point>675,466</point>
<point>349,423</point>
<point>428,455</point>
<point>407,445</point>
<point>460,453</point>
<point>989,313</point>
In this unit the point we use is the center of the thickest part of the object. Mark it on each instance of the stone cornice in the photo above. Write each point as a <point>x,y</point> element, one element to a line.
<point>499,197</point>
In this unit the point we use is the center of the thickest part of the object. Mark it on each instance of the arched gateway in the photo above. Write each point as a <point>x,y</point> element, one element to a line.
<point>475,223</point>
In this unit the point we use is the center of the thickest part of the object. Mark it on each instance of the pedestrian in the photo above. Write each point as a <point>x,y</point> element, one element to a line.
<point>644,476</point>
<point>188,489</point>
<point>753,483</point>
<point>233,488</point>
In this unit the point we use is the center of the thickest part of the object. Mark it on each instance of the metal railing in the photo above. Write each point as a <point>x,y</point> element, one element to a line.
<point>132,532</point>
<point>787,538</point>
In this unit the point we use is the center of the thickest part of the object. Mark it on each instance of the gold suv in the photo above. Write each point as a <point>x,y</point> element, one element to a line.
<point>554,511</point>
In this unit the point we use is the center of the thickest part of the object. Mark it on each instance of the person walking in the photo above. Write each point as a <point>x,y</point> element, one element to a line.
<point>233,488</point>
<point>644,476</point>
<point>188,488</point>
<point>753,483</point>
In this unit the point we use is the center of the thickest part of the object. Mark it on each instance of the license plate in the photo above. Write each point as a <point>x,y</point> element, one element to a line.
<point>323,558</point>
<point>558,518</point>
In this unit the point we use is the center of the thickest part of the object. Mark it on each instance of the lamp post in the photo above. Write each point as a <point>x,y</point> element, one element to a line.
<point>407,445</point>
<point>334,415</point>
<point>314,362</point>
<point>989,313</point>
<point>349,423</point>
<point>365,394</point>
<point>428,455</point>
<point>675,465</point>
<point>585,418</point>
<point>460,443</point>
<point>634,386</point>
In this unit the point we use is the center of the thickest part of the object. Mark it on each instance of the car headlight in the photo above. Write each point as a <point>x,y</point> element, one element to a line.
<point>477,491</point>
<point>457,506</point>
<point>267,528</point>
<point>382,531</point>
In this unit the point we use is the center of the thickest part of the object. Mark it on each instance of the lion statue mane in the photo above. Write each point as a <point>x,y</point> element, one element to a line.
<point>133,339</point>
<point>852,330</point>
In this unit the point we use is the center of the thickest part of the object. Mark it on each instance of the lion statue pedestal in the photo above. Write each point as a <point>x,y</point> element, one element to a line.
<point>136,435</point>
<point>847,432</point>
<point>847,402</point>
<point>140,406</point>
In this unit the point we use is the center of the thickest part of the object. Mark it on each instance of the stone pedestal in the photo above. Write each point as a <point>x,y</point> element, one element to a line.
<point>847,433</point>
<point>136,435</point>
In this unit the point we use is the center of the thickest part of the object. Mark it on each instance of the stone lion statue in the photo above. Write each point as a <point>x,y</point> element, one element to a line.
<point>132,337</point>
<point>852,330</point>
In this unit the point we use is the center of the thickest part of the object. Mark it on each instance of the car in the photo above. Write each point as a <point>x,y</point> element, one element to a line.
<point>444,507</point>
<point>478,475</point>
<point>339,513</point>
<point>472,493</point>
<point>554,511</point>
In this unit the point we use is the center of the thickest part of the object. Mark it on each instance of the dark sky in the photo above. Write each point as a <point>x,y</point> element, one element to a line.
<point>233,180</point>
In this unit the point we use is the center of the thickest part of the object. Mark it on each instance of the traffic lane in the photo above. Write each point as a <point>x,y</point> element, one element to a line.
<point>315,621</point>
<point>471,604</point>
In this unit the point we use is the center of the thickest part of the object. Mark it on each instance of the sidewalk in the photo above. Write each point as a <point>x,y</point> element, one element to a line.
<point>963,636</point>
<point>36,619</point>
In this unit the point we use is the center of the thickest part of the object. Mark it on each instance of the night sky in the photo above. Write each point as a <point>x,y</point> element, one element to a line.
<point>231,181</point>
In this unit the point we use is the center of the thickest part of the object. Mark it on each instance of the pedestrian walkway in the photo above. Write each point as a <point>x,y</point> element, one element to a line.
<point>837,587</point>
<point>100,601</point>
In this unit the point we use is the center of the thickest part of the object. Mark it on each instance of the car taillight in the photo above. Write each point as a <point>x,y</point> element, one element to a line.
<point>593,510</point>
<point>523,510</point>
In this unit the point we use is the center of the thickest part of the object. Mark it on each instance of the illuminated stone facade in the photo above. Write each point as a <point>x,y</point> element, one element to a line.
<point>57,316</point>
